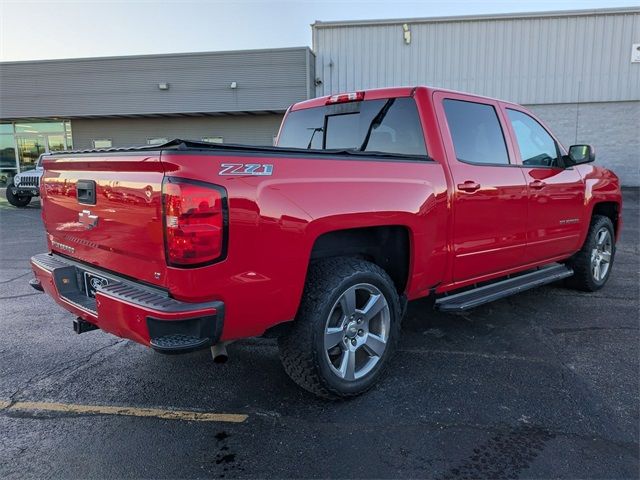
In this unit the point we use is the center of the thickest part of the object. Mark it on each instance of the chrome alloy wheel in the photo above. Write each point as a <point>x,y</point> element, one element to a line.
<point>601,254</point>
<point>357,331</point>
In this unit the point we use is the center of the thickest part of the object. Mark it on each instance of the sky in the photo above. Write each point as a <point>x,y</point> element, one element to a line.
<point>47,29</point>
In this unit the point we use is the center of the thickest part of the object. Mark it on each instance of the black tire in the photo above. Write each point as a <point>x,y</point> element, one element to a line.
<point>302,348</point>
<point>583,278</point>
<point>17,200</point>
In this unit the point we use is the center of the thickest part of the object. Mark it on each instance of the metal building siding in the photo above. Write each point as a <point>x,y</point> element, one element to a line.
<point>266,79</point>
<point>247,129</point>
<point>536,60</point>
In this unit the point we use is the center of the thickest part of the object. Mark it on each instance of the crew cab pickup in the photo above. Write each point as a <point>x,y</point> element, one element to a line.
<point>370,199</point>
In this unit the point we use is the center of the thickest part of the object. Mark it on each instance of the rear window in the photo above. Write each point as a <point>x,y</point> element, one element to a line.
<point>476,133</point>
<point>386,126</point>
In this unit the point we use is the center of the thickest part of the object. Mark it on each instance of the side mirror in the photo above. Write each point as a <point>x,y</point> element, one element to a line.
<point>579,154</point>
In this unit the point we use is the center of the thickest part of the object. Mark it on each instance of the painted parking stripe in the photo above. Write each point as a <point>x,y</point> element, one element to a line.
<point>124,411</point>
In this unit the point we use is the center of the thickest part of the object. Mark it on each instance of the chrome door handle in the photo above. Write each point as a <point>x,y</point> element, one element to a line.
<point>537,184</point>
<point>469,186</point>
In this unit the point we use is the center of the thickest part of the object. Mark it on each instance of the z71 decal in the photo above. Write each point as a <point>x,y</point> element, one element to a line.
<point>246,169</point>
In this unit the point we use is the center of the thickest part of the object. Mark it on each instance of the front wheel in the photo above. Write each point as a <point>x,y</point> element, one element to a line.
<point>345,331</point>
<point>592,264</point>
<point>17,200</point>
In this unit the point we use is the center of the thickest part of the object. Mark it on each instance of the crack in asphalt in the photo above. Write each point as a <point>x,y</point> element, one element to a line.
<point>14,278</point>
<point>590,296</point>
<point>20,296</point>
<point>489,356</point>
<point>588,329</point>
<point>75,363</point>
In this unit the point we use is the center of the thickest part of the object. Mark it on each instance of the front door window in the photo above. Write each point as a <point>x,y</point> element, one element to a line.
<point>537,147</point>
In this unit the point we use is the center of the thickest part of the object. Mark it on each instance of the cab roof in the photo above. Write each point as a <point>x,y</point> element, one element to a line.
<point>381,93</point>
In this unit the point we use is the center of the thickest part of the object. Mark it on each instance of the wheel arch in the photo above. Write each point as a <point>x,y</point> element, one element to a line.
<point>608,209</point>
<point>388,246</point>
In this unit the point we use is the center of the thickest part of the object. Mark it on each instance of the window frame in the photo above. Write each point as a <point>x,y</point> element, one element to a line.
<point>94,140</point>
<point>150,143</point>
<point>325,128</point>
<point>512,162</point>
<point>561,151</point>
<point>210,137</point>
<point>394,156</point>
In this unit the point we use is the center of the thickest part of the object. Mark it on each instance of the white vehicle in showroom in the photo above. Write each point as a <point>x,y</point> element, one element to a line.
<point>25,186</point>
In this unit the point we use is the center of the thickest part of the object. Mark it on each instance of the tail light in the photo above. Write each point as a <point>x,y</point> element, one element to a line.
<point>345,97</point>
<point>195,220</point>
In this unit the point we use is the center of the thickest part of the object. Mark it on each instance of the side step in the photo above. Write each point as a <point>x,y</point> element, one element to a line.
<point>488,293</point>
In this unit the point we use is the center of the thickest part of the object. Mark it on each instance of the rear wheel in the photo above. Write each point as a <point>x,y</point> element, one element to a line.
<point>17,200</point>
<point>345,331</point>
<point>592,264</point>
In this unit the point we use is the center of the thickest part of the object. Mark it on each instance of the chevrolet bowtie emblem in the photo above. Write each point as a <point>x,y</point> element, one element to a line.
<point>87,219</point>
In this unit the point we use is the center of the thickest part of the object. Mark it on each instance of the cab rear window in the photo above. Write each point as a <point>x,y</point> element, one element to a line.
<point>389,126</point>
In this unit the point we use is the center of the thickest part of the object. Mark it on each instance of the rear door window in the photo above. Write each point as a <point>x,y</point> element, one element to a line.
<point>386,126</point>
<point>476,133</point>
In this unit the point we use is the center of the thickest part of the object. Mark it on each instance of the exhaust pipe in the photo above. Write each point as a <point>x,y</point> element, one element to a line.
<point>219,352</point>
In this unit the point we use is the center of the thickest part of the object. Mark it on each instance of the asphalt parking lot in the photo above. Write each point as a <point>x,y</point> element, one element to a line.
<point>541,385</point>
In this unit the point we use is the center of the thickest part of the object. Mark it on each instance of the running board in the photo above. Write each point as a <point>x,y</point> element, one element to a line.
<point>488,293</point>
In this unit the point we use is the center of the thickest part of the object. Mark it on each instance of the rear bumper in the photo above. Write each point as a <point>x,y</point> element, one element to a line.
<point>128,309</point>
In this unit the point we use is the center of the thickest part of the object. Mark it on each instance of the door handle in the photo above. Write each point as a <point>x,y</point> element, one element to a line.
<point>469,186</point>
<point>537,184</point>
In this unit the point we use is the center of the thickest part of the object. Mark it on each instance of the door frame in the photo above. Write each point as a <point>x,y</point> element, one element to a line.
<point>453,164</point>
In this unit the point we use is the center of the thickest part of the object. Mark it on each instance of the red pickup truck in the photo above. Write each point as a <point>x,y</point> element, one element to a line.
<point>369,200</point>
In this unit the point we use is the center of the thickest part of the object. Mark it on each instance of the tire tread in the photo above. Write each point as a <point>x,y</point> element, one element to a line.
<point>300,363</point>
<point>582,278</point>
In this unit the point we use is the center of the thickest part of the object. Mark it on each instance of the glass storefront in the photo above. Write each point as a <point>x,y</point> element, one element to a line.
<point>21,143</point>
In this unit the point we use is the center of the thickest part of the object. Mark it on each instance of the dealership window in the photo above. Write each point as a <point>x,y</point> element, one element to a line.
<point>7,158</point>
<point>213,139</point>
<point>156,141</point>
<point>21,143</point>
<point>102,143</point>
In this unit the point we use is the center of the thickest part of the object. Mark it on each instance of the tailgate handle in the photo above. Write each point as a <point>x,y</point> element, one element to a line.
<point>86,192</point>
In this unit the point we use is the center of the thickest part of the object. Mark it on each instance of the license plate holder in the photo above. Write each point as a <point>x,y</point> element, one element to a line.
<point>92,282</point>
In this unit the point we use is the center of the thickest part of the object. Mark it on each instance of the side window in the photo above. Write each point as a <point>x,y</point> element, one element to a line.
<point>537,147</point>
<point>476,133</point>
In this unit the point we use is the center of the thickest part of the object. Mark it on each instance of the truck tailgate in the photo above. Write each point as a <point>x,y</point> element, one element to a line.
<point>106,210</point>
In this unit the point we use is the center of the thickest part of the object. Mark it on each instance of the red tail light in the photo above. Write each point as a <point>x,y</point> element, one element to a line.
<point>195,219</point>
<point>345,97</point>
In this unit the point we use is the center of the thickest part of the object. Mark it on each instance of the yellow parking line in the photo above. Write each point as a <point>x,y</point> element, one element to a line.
<point>126,411</point>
